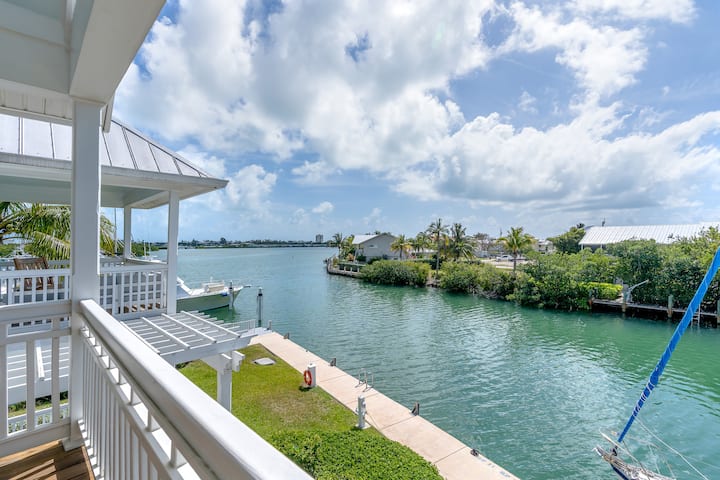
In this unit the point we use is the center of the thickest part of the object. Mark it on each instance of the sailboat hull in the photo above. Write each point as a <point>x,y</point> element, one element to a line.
<point>627,471</point>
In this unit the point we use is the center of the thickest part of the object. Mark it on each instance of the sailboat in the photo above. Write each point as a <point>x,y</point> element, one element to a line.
<point>627,470</point>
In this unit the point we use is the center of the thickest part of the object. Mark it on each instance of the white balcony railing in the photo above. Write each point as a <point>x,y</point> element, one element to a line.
<point>142,419</point>
<point>34,354</point>
<point>126,288</point>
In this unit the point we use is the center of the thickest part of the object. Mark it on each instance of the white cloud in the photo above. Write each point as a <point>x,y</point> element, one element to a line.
<point>281,84</point>
<point>582,164</point>
<point>373,218</point>
<point>604,59</point>
<point>324,208</point>
<point>680,11</point>
<point>527,103</point>
<point>368,87</point>
<point>249,189</point>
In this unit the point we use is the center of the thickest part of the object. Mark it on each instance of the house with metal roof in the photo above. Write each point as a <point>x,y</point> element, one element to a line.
<point>375,246</point>
<point>596,237</point>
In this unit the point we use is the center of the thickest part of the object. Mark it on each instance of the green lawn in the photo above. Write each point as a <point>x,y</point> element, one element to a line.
<point>310,426</point>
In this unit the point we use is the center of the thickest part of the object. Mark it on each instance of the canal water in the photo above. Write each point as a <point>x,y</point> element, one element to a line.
<point>530,389</point>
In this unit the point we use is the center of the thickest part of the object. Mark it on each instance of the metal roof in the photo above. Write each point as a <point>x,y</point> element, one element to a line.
<point>136,171</point>
<point>596,236</point>
<point>360,239</point>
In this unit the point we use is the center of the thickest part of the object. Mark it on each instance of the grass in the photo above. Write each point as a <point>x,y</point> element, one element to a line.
<point>310,426</point>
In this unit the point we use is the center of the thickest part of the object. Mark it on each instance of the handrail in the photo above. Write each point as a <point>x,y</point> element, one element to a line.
<point>211,439</point>
<point>34,347</point>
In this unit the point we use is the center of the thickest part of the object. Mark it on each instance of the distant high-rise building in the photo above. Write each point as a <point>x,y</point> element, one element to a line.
<point>319,238</point>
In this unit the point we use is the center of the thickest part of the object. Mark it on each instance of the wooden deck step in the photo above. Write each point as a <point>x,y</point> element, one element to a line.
<point>47,462</point>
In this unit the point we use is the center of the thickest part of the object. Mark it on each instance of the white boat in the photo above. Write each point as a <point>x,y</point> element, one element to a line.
<point>208,296</point>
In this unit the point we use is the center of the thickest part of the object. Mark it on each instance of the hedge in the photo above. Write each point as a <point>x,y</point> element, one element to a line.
<point>396,272</point>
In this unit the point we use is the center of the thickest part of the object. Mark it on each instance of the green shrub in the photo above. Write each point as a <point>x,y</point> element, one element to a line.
<point>394,272</point>
<point>352,455</point>
<point>7,250</point>
<point>477,278</point>
<point>602,291</point>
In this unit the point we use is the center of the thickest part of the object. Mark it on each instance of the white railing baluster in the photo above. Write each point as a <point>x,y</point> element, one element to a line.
<point>30,379</point>
<point>55,372</point>
<point>3,383</point>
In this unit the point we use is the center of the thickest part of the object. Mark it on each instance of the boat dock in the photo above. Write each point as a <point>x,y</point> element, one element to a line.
<point>346,270</point>
<point>655,312</point>
<point>453,459</point>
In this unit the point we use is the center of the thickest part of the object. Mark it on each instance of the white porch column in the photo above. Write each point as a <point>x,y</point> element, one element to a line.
<point>85,240</point>
<point>172,251</point>
<point>127,232</point>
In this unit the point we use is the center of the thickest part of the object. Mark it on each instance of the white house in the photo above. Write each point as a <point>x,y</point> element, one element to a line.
<point>375,246</point>
<point>60,64</point>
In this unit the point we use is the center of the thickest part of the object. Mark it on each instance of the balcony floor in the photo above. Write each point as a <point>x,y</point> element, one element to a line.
<point>47,462</point>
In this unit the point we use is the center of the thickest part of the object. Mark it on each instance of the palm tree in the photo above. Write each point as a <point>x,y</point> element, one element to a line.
<point>459,244</point>
<point>420,242</point>
<point>338,240</point>
<point>46,228</point>
<point>346,246</point>
<point>400,244</point>
<point>438,234</point>
<point>7,216</point>
<point>516,241</point>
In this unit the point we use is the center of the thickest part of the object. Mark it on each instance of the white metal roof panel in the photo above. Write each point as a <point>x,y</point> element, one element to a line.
<point>37,139</point>
<point>358,239</point>
<point>62,141</point>
<point>664,234</point>
<point>117,147</point>
<point>9,134</point>
<point>164,160</point>
<point>141,152</point>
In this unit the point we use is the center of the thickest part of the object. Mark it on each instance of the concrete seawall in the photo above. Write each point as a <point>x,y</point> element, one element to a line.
<point>454,460</point>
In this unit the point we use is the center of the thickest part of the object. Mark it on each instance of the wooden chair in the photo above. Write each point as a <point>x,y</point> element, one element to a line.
<point>34,263</point>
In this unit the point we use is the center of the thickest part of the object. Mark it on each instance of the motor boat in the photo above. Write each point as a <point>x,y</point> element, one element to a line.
<point>209,296</point>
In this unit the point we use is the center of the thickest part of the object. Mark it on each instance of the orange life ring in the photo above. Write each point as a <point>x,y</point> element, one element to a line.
<point>308,377</point>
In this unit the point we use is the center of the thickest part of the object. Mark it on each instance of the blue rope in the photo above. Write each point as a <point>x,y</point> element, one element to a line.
<point>682,326</point>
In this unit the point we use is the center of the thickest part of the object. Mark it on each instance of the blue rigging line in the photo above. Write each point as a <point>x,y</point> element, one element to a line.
<point>682,326</point>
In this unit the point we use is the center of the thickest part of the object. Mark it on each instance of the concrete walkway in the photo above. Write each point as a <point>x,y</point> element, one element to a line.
<point>396,422</point>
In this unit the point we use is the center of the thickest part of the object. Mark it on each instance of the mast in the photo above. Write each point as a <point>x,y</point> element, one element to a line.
<point>682,326</point>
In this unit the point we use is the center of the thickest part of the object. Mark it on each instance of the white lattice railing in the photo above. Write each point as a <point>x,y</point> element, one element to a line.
<point>34,363</point>
<point>126,288</point>
<point>34,286</point>
<point>144,419</point>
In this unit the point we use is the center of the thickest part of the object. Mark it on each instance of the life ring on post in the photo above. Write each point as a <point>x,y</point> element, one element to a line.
<point>307,375</point>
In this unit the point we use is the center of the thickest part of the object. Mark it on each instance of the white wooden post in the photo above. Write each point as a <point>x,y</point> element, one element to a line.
<point>85,241</point>
<point>127,232</point>
<point>172,251</point>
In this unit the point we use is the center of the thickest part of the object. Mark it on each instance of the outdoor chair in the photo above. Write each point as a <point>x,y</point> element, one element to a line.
<point>34,263</point>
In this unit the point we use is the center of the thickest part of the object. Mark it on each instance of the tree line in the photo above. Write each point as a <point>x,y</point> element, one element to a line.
<point>568,278</point>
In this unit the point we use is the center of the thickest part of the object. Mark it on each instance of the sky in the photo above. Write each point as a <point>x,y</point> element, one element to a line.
<point>352,117</point>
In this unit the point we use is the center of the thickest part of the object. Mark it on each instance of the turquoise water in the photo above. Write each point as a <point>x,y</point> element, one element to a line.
<point>530,389</point>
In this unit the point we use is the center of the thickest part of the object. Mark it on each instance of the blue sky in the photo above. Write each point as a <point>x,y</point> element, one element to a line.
<point>360,116</point>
